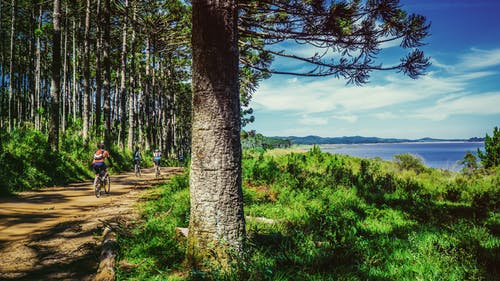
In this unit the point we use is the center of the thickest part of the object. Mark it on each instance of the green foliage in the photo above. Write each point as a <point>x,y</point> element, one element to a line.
<point>27,161</point>
<point>152,246</point>
<point>491,155</point>
<point>253,140</point>
<point>408,161</point>
<point>469,163</point>
<point>355,219</point>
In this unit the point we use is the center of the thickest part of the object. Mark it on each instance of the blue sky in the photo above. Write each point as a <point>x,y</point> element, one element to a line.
<point>458,98</point>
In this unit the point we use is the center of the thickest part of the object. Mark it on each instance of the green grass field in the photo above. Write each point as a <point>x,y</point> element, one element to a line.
<point>336,217</point>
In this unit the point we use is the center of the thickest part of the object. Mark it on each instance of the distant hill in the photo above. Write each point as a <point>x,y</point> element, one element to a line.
<point>360,139</point>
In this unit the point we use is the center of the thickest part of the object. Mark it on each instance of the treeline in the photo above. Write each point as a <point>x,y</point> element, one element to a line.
<point>112,70</point>
<point>251,139</point>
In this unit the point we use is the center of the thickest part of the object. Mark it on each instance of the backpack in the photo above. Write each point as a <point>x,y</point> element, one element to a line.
<point>137,154</point>
<point>99,154</point>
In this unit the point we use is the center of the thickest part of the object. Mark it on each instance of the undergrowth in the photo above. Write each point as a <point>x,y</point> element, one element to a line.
<point>337,218</point>
<point>27,161</point>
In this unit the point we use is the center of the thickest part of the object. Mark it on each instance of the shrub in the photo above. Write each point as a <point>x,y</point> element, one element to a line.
<point>408,161</point>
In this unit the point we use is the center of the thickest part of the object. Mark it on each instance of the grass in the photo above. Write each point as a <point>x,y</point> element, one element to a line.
<point>337,218</point>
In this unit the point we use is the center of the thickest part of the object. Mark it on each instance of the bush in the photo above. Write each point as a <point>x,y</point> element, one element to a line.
<point>410,162</point>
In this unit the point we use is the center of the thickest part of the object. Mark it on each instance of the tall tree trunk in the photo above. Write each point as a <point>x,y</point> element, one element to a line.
<point>98,66</point>
<point>107,74</point>
<point>11,61</point>
<point>56,78</point>
<point>38,71</point>
<point>74,87</point>
<point>132,103</point>
<point>140,109</point>
<point>146,95</point>
<point>65,91</point>
<point>2,71</point>
<point>217,223</point>
<point>32,62</point>
<point>123,86</point>
<point>86,75</point>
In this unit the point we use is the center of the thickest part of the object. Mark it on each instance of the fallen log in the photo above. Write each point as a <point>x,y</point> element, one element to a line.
<point>106,270</point>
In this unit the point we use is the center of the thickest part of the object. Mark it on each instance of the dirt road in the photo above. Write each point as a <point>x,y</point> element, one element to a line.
<point>54,234</point>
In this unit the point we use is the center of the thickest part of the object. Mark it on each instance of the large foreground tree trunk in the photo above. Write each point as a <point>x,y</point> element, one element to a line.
<point>217,224</point>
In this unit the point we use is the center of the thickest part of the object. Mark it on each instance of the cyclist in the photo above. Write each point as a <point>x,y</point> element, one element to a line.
<point>137,156</point>
<point>99,156</point>
<point>157,158</point>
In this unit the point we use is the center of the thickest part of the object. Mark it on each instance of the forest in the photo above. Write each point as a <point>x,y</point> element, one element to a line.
<point>107,70</point>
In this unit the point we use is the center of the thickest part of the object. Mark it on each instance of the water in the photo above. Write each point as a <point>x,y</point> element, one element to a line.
<point>443,155</point>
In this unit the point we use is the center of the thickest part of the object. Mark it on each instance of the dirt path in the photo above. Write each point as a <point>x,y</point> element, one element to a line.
<point>54,234</point>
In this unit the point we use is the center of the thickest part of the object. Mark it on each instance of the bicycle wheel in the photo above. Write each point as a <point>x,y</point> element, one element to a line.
<point>157,171</point>
<point>135,169</point>
<point>107,184</point>
<point>97,187</point>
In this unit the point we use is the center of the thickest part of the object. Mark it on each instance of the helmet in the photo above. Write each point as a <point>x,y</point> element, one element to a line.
<point>157,150</point>
<point>101,145</point>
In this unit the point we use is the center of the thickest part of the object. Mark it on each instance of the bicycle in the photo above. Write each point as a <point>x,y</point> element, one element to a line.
<point>137,168</point>
<point>157,170</point>
<point>103,181</point>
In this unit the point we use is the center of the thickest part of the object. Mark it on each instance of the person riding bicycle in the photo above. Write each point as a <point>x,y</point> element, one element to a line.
<point>157,157</point>
<point>137,156</point>
<point>99,156</point>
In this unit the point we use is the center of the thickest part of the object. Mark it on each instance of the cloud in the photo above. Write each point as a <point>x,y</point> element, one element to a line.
<point>474,60</point>
<point>385,115</point>
<point>332,95</point>
<point>482,104</point>
<point>348,118</point>
<point>479,59</point>
<point>308,120</point>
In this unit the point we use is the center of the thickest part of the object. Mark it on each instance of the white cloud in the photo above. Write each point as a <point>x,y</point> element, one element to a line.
<point>474,60</point>
<point>349,118</point>
<point>331,94</point>
<point>483,104</point>
<point>479,59</point>
<point>385,115</point>
<point>308,120</point>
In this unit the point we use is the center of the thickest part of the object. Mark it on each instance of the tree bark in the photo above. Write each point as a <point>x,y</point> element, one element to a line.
<point>65,92</point>
<point>86,74</point>
<point>107,74</point>
<point>74,87</point>
<point>132,103</point>
<point>217,223</point>
<point>98,78</point>
<point>56,78</point>
<point>11,61</point>
<point>146,95</point>
<point>123,85</point>
<point>38,71</point>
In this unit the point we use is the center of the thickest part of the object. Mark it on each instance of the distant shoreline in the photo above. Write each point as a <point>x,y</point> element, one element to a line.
<point>315,140</point>
<point>407,142</point>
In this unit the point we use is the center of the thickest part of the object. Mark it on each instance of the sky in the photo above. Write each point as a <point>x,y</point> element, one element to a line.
<point>458,98</point>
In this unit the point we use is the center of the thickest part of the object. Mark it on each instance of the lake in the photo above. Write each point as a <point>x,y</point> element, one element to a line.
<point>443,155</point>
